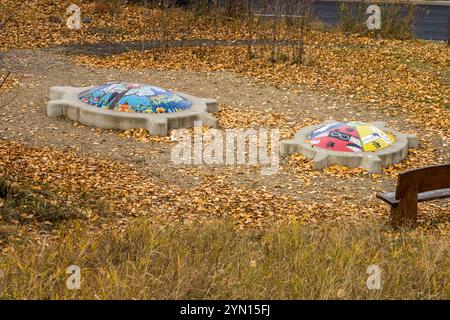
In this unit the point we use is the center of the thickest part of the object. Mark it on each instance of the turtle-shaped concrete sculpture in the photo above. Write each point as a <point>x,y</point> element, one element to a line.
<point>121,105</point>
<point>353,144</point>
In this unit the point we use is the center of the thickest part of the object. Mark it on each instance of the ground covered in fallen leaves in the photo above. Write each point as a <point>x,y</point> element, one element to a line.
<point>107,178</point>
<point>42,23</point>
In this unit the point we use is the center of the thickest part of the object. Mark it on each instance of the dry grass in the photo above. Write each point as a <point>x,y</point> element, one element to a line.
<point>214,261</point>
<point>19,204</point>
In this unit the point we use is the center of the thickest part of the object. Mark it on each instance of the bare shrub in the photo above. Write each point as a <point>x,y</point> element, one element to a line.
<point>397,17</point>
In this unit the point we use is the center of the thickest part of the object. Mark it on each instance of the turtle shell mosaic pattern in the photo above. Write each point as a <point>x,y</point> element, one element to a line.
<point>350,137</point>
<point>134,97</point>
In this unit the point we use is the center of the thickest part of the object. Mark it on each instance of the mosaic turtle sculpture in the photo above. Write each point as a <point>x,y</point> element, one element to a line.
<point>121,105</point>
<point>353,144</point>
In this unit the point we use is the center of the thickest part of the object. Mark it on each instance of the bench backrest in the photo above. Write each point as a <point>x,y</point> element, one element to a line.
<point>426,179</point>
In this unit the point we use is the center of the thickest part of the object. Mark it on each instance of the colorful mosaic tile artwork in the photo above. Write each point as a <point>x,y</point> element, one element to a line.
<point>350,137</point>
<point>134,97</point>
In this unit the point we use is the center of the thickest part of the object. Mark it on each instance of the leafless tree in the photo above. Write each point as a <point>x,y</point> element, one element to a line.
<point>251,28</point>
<point>233,8</point>
<point>166,8</point>
<point>301,10</point>
<point>147,21</point>
<point>276,9</point>
<point>296,14</point>
<point>215,14</point>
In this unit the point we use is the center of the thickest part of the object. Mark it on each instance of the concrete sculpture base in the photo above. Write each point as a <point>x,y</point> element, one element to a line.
<point>372,161</point>
<point>65,101</point>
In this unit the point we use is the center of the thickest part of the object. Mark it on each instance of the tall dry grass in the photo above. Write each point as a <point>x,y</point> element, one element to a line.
<point>215,261</point>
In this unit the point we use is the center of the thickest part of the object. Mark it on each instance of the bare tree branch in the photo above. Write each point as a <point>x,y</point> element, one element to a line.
<point>8,73</point>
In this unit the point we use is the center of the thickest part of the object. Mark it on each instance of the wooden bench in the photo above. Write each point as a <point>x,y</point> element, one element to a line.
<point>415,186</point>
